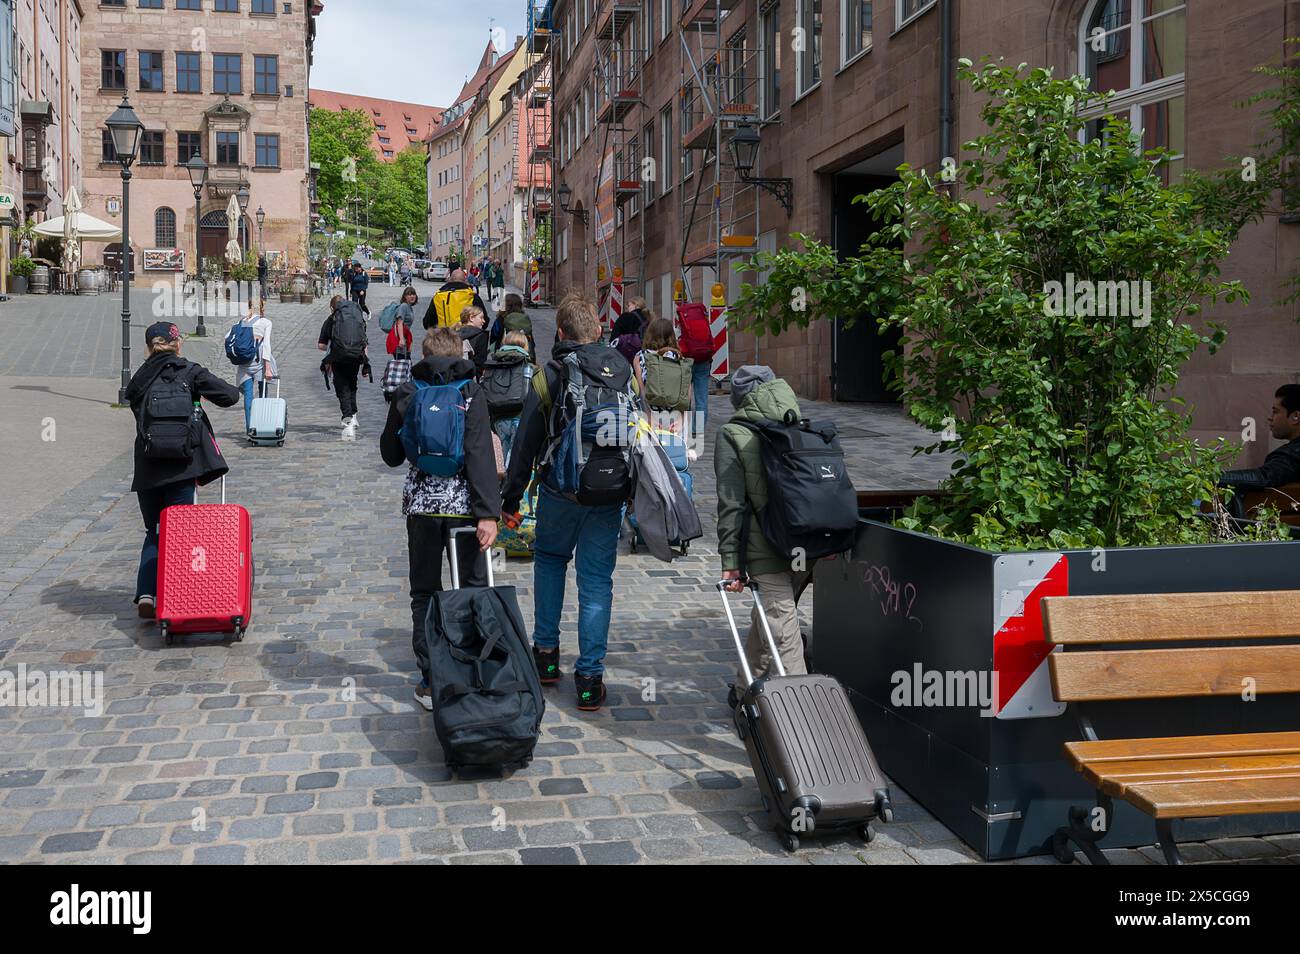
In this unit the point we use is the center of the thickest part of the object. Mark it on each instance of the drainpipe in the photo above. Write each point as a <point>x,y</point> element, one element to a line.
<point>945,80</point>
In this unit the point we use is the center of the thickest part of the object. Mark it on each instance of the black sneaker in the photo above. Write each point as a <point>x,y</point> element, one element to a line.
<point>591,691</point>
<point>548,664</point>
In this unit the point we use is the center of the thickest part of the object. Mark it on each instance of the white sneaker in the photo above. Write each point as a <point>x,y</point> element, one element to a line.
<point>349,430</point>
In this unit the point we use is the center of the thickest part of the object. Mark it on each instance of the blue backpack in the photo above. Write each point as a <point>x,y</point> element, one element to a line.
<point>433,428</point>
<point>241,345</point>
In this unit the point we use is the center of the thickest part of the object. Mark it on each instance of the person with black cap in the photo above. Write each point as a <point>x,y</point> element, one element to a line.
<point>175,449</point>
<point>757,394</point>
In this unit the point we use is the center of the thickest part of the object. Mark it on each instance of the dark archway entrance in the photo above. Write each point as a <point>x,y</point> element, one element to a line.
<point>858,374</point>
<point>214,234</point>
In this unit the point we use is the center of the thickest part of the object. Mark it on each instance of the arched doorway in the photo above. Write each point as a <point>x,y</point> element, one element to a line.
<point>214,233</point>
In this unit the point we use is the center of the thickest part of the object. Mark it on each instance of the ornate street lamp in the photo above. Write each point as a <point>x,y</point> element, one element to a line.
<point>743,146</point>
<point>125,128</point>
<point>198,170</point>
<point>565,194</point>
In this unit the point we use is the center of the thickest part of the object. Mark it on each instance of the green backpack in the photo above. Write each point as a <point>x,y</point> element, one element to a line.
<point>667,381</point>
<point>518,321</point>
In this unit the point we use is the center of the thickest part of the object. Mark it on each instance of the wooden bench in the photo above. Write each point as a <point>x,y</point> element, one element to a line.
<point>1162,646</point>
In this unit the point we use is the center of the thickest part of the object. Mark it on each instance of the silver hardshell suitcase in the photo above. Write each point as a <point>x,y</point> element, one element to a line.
<point>269,418</point>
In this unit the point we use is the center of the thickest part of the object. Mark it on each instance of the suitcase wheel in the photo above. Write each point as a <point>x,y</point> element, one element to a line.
<point>884,809</point>
<point>866,834</point>
<point>239,629</point>
<point>166,633</point>
<point>790,841</point>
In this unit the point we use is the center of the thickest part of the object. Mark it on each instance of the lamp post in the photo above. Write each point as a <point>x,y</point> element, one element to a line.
<point>125,127</point>
<point>261,250</point>
<point>565,194</point>
<point>743,146</point>
<point>198,170</point>
<point>242,198</point>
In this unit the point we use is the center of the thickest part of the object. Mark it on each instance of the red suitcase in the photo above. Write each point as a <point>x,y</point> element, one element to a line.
<point>205,569</point>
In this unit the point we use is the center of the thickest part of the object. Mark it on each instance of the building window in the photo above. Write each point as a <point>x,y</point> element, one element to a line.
<point>264,8</point>
<point>666,150</point>
<point>189,4</point>
<point>226,68</point>
<point>267,148</point>
<point>227,148</point>
<point>188,145</point>
<point>855,28</point>
<point>1137,50</point>
<point>107,152</point>
<point>189,73</point>
<point>164,228</point>
<point>151,147</point>
<point>771,58</point>
<point>112,69</point>
<point>151,4</point>
<point>266,75</point>
<point>226,6</point>
<point>909,10</point>
<point>737,80</point>
<point>808,61</point>
<point>151,72</point>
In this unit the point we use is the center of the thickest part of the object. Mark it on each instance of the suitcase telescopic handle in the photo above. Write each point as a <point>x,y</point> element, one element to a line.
<point>455,562</point>
<point>735,630</point>
<point>277,387</point>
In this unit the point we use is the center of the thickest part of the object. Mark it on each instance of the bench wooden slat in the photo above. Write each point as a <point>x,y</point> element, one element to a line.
<point>1167,673</point>
<point>1210,798</point>
<point>1184,746</point>
<point>1163,770</point>
<point>1071,620</point>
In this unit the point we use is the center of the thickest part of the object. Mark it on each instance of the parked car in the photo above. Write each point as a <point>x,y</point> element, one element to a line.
<point>438,272</point>
<point>420,265</point>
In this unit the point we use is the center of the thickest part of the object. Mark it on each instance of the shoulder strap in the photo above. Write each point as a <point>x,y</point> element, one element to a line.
<point>543,390</point>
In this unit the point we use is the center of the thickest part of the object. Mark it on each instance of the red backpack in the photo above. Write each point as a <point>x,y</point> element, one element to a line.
<point>694,334</point>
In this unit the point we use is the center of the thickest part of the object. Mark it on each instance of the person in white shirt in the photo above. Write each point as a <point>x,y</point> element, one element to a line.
<point>250,377</point>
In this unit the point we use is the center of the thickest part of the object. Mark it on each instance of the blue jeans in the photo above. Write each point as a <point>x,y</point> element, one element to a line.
<point>700,389</point>
<point>152,503</point>
<point>563,527</point>
<point>248,388</point>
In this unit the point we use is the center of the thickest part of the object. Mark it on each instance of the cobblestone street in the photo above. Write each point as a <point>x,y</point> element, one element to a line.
<point>303,744</point>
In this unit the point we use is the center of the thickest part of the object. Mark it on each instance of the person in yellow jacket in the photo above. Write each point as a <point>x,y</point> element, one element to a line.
<point>449,301</point>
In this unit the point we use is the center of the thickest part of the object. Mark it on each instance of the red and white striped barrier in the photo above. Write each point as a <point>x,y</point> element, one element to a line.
<point>535,284</point>
<point>616,298</point>
<point>718,328</point>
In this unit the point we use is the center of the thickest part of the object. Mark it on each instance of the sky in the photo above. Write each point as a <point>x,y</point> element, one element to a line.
<point>414,51</point>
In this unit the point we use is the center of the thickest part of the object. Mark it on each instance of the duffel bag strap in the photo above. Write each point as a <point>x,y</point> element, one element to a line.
<point>460,689</point>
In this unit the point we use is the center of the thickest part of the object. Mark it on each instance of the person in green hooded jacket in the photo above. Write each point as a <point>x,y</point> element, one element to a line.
<point>757,394</point>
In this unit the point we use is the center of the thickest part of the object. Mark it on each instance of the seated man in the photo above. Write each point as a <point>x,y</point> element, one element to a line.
<point>1282,466</point>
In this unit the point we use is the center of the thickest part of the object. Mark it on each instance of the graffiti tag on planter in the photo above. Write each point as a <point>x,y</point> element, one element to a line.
<point>896,597</point>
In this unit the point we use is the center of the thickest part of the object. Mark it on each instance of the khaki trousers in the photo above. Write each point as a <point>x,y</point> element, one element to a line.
<point>776,590</point>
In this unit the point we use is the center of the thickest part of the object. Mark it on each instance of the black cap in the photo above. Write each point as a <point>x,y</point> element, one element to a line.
<point>162,329</point>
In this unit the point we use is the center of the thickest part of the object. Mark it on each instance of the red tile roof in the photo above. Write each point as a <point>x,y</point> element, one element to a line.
<point>403,124</point>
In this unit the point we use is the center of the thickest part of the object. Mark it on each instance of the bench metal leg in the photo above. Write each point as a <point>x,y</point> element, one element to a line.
<point>1081,832</point>
<point>1165,839</point>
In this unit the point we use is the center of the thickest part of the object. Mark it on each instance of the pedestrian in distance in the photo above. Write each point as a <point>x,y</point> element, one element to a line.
<point>252,376</point>
<point>662,376</point>
<point>580,506</point>
<point>263,270</point>
<point>358,285</point>
<point>343,339</point>
<point>175,449</point>
<point>463,493</point>
<point>406,309</point>
<point>513,318</point>
<point>757,395</point>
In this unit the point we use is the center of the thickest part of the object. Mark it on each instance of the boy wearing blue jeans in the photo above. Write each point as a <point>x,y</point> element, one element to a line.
<point>566,528</point>
<point>249,377</point>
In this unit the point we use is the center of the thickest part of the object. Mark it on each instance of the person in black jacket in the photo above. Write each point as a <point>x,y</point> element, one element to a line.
<point>162,482</point>
<point>455,282</point>
<point>435,506</point>
<point>475,335</point>
<point>346,367</point>
<point>1282,466</point>
<point>358,285</point>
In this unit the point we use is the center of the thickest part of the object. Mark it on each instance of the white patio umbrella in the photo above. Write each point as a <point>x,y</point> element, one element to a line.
<point>71,238</point>
<point>89,228</point>
<point>233,255</point>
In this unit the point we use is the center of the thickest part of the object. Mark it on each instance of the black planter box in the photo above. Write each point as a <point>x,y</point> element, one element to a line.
<point>902,600</point>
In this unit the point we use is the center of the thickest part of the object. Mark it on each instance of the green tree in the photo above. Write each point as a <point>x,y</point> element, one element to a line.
<point>1061,419</point>
<point>399,191</point>
<point>340,142</point>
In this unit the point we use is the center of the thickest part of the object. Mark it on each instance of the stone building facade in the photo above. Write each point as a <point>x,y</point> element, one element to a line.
<point>861,95</point>
<point>228,78</point>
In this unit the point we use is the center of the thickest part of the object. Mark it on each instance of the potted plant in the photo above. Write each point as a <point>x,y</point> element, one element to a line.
<point>1044,315</point>
<point>287,294</point>
<point>20,270</point>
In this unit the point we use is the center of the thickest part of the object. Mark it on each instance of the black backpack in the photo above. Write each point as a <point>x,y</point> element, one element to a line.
<point>348,333</point>
<point>171,421</point>
<point>588,458</point>
<point>487,699</point>
<point>811,506</point>
<point>505,386</point>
